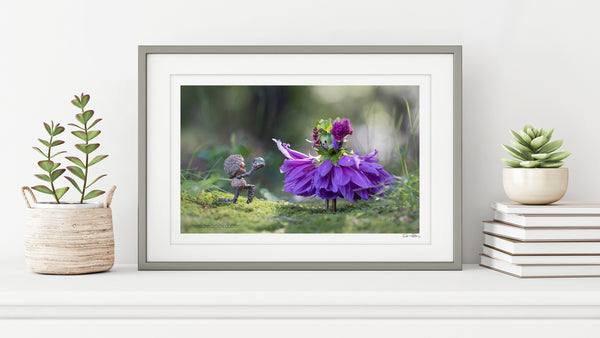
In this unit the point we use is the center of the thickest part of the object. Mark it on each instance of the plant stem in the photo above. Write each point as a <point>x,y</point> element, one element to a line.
<point>85,175</point>
<point>412,127</point>
<point>54,191</point>
<point>50,173</point>
<point>50,147</point>
<point>398,151</point>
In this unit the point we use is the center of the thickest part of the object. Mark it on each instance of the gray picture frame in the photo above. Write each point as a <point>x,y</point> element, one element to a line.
<point>145,51</point>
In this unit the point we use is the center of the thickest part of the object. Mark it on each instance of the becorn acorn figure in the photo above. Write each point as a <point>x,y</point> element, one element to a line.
<point>236,169</point>
<point>337,172</point>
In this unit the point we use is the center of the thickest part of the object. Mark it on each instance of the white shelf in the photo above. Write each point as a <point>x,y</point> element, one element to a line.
<point>125,292</point>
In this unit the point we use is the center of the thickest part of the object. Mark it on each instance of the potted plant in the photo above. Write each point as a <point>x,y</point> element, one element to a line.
<point>69,237</point>
<point>535,175</point>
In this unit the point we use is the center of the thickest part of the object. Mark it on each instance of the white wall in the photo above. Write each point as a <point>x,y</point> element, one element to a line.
<point>524,62</point>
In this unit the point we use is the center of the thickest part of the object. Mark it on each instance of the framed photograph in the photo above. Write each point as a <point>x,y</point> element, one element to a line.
<point>299,157</point>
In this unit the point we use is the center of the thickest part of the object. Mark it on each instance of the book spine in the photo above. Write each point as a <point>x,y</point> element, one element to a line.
<point>549,221</point>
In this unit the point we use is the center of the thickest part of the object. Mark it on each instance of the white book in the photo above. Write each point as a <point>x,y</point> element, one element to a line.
<point>515,247</point>
<point>540,259</point>
<point>541,270</point>
<point>540,234</point>
<point>557,208</point>
<point>561,221</point>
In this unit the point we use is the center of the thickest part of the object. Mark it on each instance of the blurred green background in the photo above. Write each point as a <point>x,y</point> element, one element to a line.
<point>217,121</point>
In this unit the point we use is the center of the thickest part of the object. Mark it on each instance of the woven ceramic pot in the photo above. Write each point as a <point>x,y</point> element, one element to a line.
<point>69,239</point>
<point>535,185</point>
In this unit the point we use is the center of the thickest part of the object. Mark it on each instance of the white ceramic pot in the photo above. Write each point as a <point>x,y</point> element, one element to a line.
<point>535,185</point>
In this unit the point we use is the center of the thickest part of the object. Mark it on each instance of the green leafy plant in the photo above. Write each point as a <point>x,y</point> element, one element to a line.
<point>50,167</point>
<point>532,149</point>
<point>81,168</point>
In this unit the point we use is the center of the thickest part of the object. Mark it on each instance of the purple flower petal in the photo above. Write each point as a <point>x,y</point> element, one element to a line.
<point>348,192</point>
<point>359,179</point>
<point>296,173</point>
<point>363,193</point>
<point>322,182</point>
<point>370,157</point>
<point>325,167</point>
<point>345,177</point>
<point>333,187</point>
<point>290,164</point>
<point>336,176</point>
<point>289,153</point>
<point>328,195</point>
<point>346,161</point>
<point>301,187</point>
<point>368,168</point>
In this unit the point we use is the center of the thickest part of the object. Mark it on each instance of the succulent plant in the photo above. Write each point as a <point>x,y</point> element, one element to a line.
<point>532,149</point>
<point>81,167</point>
<point>48,165</point>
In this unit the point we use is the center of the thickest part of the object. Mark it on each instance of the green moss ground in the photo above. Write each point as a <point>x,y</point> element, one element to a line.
<point>204,214</point>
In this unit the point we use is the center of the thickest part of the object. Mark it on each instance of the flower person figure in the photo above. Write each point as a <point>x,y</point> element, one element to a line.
<point>337,172</point>
<point>236,169</point>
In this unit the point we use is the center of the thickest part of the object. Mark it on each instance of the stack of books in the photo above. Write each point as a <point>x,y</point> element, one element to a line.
<point>556,240</point>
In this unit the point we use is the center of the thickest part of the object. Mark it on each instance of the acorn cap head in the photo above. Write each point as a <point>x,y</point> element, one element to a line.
<point>232,164</point>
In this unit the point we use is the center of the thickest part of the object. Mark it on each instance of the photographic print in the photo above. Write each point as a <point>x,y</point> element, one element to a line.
<point>300,159</point>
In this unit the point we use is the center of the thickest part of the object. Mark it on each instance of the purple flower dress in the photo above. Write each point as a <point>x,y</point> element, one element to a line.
<point>336,172</point>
